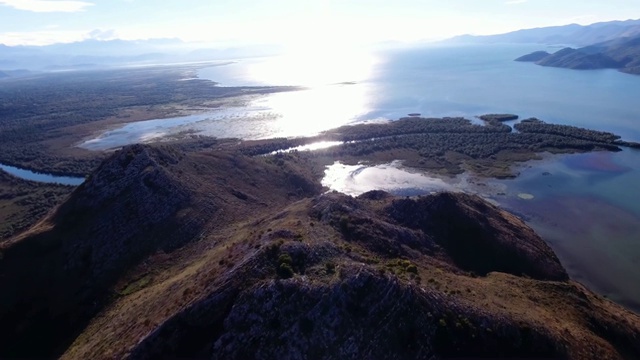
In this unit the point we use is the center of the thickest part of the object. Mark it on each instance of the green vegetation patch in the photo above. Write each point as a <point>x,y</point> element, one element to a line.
<point>136,285</point>
<point>284,268</point>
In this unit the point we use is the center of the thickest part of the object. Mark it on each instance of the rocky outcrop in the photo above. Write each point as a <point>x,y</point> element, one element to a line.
<point>367,316</point>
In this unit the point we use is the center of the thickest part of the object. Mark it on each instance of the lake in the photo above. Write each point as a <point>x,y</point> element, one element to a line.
<point>586,206</point>
<point>437,81</point>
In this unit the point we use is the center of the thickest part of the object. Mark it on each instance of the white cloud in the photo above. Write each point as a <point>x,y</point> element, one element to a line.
<point>47,5</point>
<point>516,2</point>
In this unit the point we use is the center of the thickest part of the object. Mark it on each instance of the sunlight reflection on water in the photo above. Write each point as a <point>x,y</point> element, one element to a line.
<point>312,69</point>
<point>288,114</point>
<point>311,147</point>
<point>355,180</point>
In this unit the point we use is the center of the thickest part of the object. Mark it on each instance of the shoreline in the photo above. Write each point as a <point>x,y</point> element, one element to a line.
<point>59,154</point>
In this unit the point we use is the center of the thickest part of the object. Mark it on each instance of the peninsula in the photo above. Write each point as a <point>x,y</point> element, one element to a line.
<point>621,53</point>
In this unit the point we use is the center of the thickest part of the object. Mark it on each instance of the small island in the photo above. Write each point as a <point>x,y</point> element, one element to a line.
<point>498,117</point>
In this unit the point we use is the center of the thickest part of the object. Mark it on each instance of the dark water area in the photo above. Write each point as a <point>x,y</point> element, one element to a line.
<point>41,177</point>
<point>594,239</point>
<point>587,207</point>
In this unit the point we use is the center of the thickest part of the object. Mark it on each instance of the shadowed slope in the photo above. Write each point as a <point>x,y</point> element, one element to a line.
<point>140,200</point>
<point>480,237</point>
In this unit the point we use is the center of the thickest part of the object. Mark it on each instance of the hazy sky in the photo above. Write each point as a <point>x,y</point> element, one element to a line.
<point>291,22</point>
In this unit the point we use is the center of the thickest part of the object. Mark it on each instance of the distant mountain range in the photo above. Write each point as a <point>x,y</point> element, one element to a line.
<point>98,53</point>
<point>602,45</point>
<point>605,45</point>
<point>574,34</point>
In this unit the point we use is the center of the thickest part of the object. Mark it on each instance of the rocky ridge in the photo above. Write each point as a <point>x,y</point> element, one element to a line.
<point>162,254</point>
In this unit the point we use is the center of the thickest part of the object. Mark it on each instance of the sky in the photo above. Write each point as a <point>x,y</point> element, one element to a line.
<point>290,22</point>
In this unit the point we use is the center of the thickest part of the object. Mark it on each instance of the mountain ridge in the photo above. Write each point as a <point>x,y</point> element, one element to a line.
<point>223,255</point>
<point>620,53</point>
<point>138,201</point>
<point>95,53</point>
<point>573,34</point>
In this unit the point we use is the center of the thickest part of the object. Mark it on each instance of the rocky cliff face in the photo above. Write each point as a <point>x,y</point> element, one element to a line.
<point>169,255</point>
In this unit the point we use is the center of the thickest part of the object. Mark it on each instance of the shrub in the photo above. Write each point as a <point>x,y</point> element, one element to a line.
<point>345,226</point>
<point>412,269</point>
<point>285,259</point>
<point>285,271</point>
<point>284,268</point>
<point>330,267</point>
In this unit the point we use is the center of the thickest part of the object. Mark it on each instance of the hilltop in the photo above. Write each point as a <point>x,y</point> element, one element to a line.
<point>166,253</point>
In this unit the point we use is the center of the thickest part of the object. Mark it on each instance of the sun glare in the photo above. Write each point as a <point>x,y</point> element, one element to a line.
<point>336,88</point>
<point>314,67</point>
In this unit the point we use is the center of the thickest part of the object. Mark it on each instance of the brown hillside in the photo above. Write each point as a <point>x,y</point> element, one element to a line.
<point>141,200</point>
<point>216,255</point>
